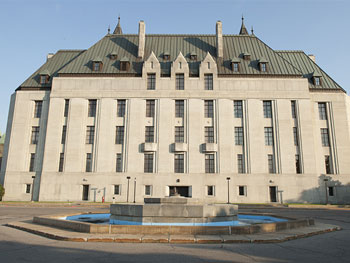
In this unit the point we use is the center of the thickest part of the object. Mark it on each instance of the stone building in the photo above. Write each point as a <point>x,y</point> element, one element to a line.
<point>2,141</point>
<point>214,117</point>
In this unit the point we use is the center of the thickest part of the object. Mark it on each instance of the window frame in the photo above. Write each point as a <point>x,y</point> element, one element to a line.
<point>35,135</point>
<point>88,164</point>
<point>208,81</point>
<point>148,163</point>
<point>150,108</point>
<point>119,134</point>
<point>61,163</point>
<point>92,108</point>
<point>238,108</point>
<point>209,163</point>
<point>119,163</point>
<point>325,137</point>
<point>149,134</point>
<point>151,81</point>
<point>271,164</point>
<point>240,164</point>
<point>121,106</point>
<point>90,135</point>
<point>212,192</point>
<point>179,163</point>
<point>209,134</point>
<point>267,109</point>
<point>179,108</point>
<point>38,106</point>
<point>322,110</point>
<point>268,132</point>
<point>179,81</point>
<point>179,134</point>
<point>208,108</point>
<point>117,189</point>
<point>239,136</point>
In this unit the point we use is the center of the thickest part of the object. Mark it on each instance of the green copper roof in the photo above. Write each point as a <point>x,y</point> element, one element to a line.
<point>307,66</point>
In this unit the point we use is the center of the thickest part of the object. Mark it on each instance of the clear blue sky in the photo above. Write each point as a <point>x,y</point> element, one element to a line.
<point>29,29</point>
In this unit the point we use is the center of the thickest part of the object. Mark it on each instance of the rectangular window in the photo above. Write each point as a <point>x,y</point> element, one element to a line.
<point>117,189</point>
<point>239,140</point>
<point>263,67</point>
<point>92,108</point>
<point>43,79</point>
<point>32,162</point>
<point>297,164</point>
<point>210,190</point>
<point>208,81</point>
<point>296,137</point>
<point>293,108</point>
<point>60,165</point>
<point>324,137</point>
<point>119,164</point>
<point>240,164</point>
<point>209,134</point>
<point>148,164</point>
<point>151,81</point>
<point>121,108</point>
<point>271,163</point>
<point>317,81</point>
<point>242,190</point>
<point>180,84</point>
<point>179,108</point>
<point>64,133</point>
<point>150,108</point>
<point>66,108</point>
<point>327,162</point>
<point>35,135</point>
<point>179,163</point>
<point>209,163</point>
<point>238,108</point>
<point>88,168</point>
<point>149,134</point>
<point>331,190</point>
<point>322,110</point>
<point>268,136</point>
<point>267,109</point>
<point>119,134</point>
<point>179,134</point>
<point>38,108</point>
<point>90,134</point>
<point>28,186</point>
<point>235,67</point>
<point>208,108</point>
<point>148,189</point>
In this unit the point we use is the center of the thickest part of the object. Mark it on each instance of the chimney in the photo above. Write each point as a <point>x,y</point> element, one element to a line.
<point>141,51</point>
<point>312,57</point>
<point>219,42</point>
<point>50,55</point>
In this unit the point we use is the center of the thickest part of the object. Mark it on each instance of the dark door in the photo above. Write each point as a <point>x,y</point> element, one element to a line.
<point>86,192</point>
<point>179,190</point>
<point>273,194</point>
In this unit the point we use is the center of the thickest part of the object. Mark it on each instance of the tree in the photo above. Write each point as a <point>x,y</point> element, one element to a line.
<point>2,192</point>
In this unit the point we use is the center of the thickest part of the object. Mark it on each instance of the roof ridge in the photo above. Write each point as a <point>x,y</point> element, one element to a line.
<point>289,51</point>
<point>70,50</point>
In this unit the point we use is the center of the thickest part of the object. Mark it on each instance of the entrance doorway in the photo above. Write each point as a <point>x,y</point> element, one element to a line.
<point>273,194</point>
<point>86,192</point>
<point>181,190</point>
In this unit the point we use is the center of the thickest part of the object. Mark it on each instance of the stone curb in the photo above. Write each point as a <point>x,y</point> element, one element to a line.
<point>276,237</point>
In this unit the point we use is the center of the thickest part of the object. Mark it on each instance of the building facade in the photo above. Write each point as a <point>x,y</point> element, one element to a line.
<point>214,117</point>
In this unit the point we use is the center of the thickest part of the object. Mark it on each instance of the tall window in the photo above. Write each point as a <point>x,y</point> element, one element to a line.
<point>60,165</point>
<point>242,190</point>
<point>119,134</point>
<point>31,162</point>
<point>88,167</point>
<point>64,132</point>
<point>148,189</point>
<point>293,108</point>
<point>209,134</point>
<point>38,108</point>
<point>239,136</point>
<point>208,109</point>
<point>324,137</point>
<point>179,108</point>
<point>150,108</point>
<point>240,164</point>
<point>120,108</point>
<point>209,163</point>
<point>180,84</point>
<point>238,108</point>
<point>210,190</point>
<point>92,108</point>
<point>267,109</point>
<point>263,67</point>
<point>271,163</point>
<point>268,136</point>
<point>322,111</point>
<point>179,163</point>
<point>35,135</point>
<point>28,186</point>
<point>117,189</point>
<point>179,134</point>
<point>66,107</point>
<point>90,134</point>
<point>149,134</point>
<point>295,135</point>
<point>327,162</point>
<point>317,81</point>
<point>151,81</point>
<point>119,164</point>
<point>148,164</point>
<point>297,164</point>
<point>208,81</point>
<point>235,67</point>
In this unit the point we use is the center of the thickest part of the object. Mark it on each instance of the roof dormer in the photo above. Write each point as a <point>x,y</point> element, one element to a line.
<point>113,55</point>
<point>193,56</point>
<point>179,65</point>
<point>44,77</point>
<point>97,64</point>
<point>151,65</point>
<point>246,55</point>
<point>263,64</point>
<point>124,64</point>
<point>166,56</point>
<point>316,78</point>
<point>236,64</point>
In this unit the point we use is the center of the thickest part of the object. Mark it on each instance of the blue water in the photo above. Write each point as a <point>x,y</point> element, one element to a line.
<point>243,220</point>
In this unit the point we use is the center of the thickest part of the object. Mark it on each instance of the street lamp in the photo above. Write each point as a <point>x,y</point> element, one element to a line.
<point>127,192</point>
<point>32,199</point>
<point>134,188</point>
<point>228,189</point>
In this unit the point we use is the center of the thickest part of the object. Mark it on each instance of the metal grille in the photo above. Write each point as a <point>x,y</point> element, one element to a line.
<point>239,139</point>
<point>238,108</point>
<point>119,134</point>
<point>151,81</point>
<point>208,109</point>
<point>209,163</point>
<point>38,108</point>
<point>35,135</point>
<point>267,109</point>
<point>150,108</point>
<point>179,163</point>
<point>208,81</point>
<point>149,134</point>
<point>179,134</point>
<point>148,164</point>
<point>179,108</point>
<point>268,136</point>
<point>180,85</point>
<point>121,108</point>
<point>324,137</point>
<point>92,108</point>
<point>90,134</point>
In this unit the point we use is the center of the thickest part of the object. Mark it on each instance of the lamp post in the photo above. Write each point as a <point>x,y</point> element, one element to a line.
<point>325,185</point>
<point>32,198</point>
<point>134,189</point>
<point>228,189</point>
<point>127,192</point>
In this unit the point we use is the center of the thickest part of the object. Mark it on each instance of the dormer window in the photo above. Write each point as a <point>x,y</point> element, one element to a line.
<point>193,56</point>
<point>113,55</point>
<point>263,65</point>
<point>166,56</point>
<point>246,56</point>
<point>317,78</point>
<point>317,81</point>
<point>235,64</point>
<point>97,64</point>
<point>44,77</point>
<point>124,64</point>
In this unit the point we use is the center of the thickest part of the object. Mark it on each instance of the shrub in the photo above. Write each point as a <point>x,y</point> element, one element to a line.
<point>2,191</point>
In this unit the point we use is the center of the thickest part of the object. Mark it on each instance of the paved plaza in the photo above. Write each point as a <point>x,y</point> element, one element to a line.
<point>20,246</point>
